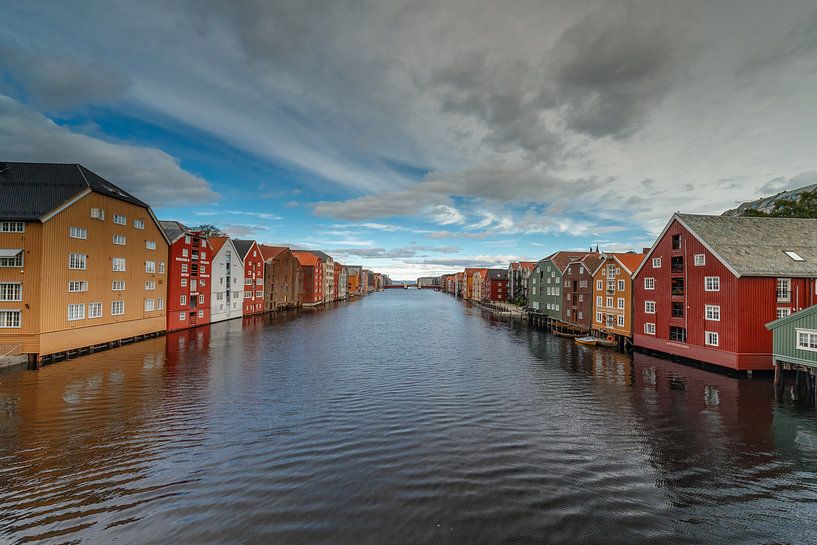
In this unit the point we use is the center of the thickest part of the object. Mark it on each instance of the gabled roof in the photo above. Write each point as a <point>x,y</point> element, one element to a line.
<point>800,314</point>
<point>217,243</point>
<point>30,191</point>
<point>527,265</point>
<point>243,247</point>
<point>173,230</point>
<point>561,259</point>
<point>590,261</point>
<point>271,252</point>
<point>628,260</point>
<point>497,274</point>
<point>323,255</point>
<point>750,246</point>
<point>306,259</point>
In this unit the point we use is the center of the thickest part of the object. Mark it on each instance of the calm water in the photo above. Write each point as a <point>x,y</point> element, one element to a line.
<point>406,417</point>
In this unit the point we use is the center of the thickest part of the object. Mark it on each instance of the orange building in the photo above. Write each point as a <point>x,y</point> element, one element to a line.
<point>82,262</point>
<point>313,267</point>
<point>468,288</point>
<point>613,295</point>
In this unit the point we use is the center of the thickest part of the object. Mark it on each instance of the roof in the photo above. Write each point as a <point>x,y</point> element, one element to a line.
<point>30,191</point>
<point>750,246</point>
<point>562,258</point>
<point>323,255</point>
<point>590,261</point>
<point>243,247</point>
<point>497,274</point>
<point>173,230</point>
<point>800,314</point>
<point>271,252</point>
<point>629,260</point>
<point>217,243</point>
<point>527,265</point>
<point>306,259</point>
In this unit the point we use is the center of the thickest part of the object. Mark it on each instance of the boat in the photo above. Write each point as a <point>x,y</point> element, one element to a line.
<point>590,340</point>
<point>565,334</point>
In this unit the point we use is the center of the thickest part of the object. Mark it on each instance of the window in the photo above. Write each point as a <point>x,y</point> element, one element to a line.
<point>599,301</point>
<point>203,254</point>
<point>676,242</point>
<point>201,299</point>
<point>794,255</point>
<point>247,281</point>
<point>678,334</point>
<point>712,283</point>
<point>78,232</point>
<point>182,299</point>
<point>677,286</point>
<point>599,285</point>
<point>76,312</point>
<point>260,282</point>
<point>806,339</point>
<point>117,308</point>
<point>77,261</point>
<point>150,245</point>
<point>201,314</point>
<point>9,261</point>
<point>656,263</point>
<point>12,227</point>
<point>150,304</point>
<point>160,304</point>
<point>568,312</point>
<point>700,260</point>
<point>161,267</point>
<point>97,214</point>
<point>95,310</point>
<point>713,312</point>
<point>649,329</point>
<point>184,267</point>
<point>185,253</point>
<point>187,239</point>
<point>621,285</point>
<point>182,316</point>
<point>11,291</point>
<point>119,219</point>
<point>118,264</point>
<point>783,290</point>
<point>783,312</point>
<point>247,294</point>
<point>203,269</point>
<point>150,266</point>
<point>9,319</point>
<point>620,320</point>
<point>677,264</point>
<point>193,284</point>
<point>118,285</point>
<point>609,302</point>
<point>649,283</point>
<point>677,309</point>
<point>711,338</point>
<point>184,282</point>
<point>77,285</point>
<point>649,307</point>
<point>599,317</point>
<point>150,285</point>
<point>138,224</point>
<point>620,302</point>
<point>581,315</point>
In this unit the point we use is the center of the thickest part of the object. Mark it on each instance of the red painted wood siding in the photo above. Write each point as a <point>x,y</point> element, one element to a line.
<point>175,290</point>
<point>253,271</point>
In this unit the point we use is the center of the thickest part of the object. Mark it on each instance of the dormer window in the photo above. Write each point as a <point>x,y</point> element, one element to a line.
<point>793,255</point>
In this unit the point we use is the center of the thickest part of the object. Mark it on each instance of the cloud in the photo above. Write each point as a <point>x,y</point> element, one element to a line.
<point>148,173</point>
<point>241,230</point>
<point>395,253</point>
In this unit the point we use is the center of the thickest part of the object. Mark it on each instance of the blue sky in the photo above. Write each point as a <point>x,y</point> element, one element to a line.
<point>417,138</point>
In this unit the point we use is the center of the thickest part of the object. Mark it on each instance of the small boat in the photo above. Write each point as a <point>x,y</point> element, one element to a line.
<point>565,334</point>
<point>588,340</point>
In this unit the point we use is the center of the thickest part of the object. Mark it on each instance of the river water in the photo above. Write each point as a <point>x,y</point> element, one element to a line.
<point>404,417</point>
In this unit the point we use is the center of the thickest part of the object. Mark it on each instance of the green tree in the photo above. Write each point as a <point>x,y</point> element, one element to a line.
<point>209,230</point>
<point>804,207</point>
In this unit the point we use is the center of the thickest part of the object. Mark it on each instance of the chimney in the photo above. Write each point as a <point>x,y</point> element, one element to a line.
<point>645,251</point>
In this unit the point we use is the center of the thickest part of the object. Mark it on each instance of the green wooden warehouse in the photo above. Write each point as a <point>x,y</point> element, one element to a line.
<point>794,344</point>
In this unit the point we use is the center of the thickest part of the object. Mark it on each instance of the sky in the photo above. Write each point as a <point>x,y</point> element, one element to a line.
<point>420,137</point>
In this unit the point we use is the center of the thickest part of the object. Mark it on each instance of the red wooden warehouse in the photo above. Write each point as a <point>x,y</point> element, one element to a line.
<point>250,253</point>
<point>710,283</point>
<point>312,266</point>
<point>188,277</point>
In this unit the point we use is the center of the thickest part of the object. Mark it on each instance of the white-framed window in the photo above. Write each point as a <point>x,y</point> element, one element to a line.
<point>193,284</point>
<point>118,264</point>
<point>12,227</point>
<point>201,299</point>
<point>783,312</point>
<point>77,285</point>
<point>150,266</point>
<point>599,285</point>
<point>783,290</point>
<point>568,312</point>
<point>187,239</point>
<point>649,328</point>
<point>9,319</point>
<point>260,293</point>
<point>182,299</point>
<point>185,252</point>
<point>248,281</point>
<point>150,305</point>
<point>118,285</point>
<point>119,219</point>
<point>620,302</point>
<point>77,261</point>
<point>203,254</point>
<point>119,240</point>
<point>656,263</point>
<point>150,285</point>
<point>649,283</point>
<point>247,295</point>
<point>138,224</point>
<point>260,282</point>
<point>598,317</point>
<point>599,299</point>
<point>182,316</point>
<point>117,308</point>
<point>581,315</point>
<point>806,339</point>
<point>184,267</point>
<point>184,282</point>
<point>711,338</point>
<point>11,291</point>
<point>160,304</point>
<point>94,310</point>
<point>620,320</point>
<point>712,283</point>
<point>161,267</point>
<point>700,260</point>
<point>76,312</point>
<point>201,314</point>
<point>712,312</point>
<point>97,214</point>
<point>150,244</point>
<point>13,261</point>
<point>649,307</point>
<point>609,302</point>
<point>78,232</point>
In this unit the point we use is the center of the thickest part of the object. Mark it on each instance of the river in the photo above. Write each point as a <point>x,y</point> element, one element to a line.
<point>403,417</point>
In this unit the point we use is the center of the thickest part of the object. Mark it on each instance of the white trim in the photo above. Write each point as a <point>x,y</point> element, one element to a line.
<point>797,332</point>
<point>65,205</point>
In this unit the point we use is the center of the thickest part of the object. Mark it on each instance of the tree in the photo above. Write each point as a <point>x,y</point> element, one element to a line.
<point>209,230</point>
<point>803,207</point>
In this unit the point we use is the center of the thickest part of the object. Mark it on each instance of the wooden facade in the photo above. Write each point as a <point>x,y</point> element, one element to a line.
<point>313,283</point>
<point>613,294</point>
<point>254,293</point>
<point>188,277</point>
<point>226,280</point>
<point>283,278</point>
<point>577,291</point>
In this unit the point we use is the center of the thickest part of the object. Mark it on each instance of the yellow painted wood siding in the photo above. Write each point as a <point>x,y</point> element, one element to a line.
<point>626,294</point>
<point>26,336</point>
